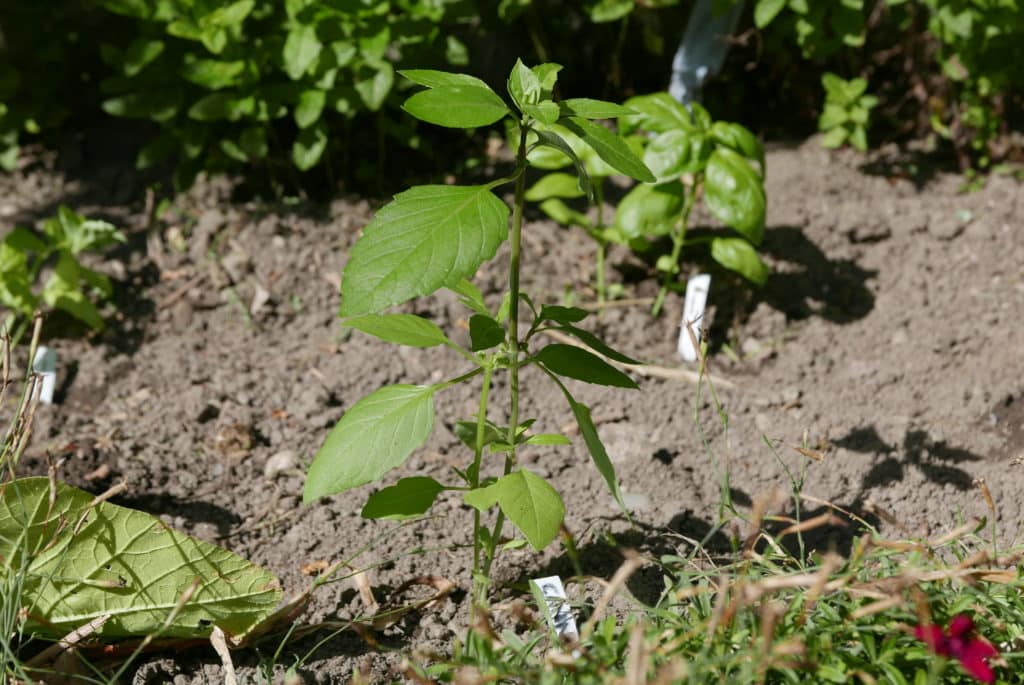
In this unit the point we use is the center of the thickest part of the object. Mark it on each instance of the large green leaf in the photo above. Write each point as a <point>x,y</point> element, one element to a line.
<point>734,193</point>
<point>741,140</point>
<point>457,106</point>
<point>82,561</point>
<point>574,362</point>
<point>736,254</point>
<point>657,113</point>
<point>377,434</point>
<point>673,153</point>
<point>610,147</point>
<point>528,501</point>
<point>401,329</point>
<point>649,210</point>
<point>427,238</point>
<point>408,498</point>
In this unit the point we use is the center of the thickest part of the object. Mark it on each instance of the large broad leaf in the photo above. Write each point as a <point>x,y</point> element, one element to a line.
<point>528,501</point>
<point>427,238</point>
<point>610,147</point>
<point>401,329</point>
<point>457,106</point>
<point>575,362</point>
<point>407,498</point>
<point>673,153</point>
<point>657,113</point>
<point>734,193</point>
<point>741,140</point>
<point>649,210</point>
<point>377,434</point>
<point>82,561</point>
<point>736,254</point>
<point>596,448</point>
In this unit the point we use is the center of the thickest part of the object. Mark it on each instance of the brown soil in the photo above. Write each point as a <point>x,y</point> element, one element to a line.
<point>891,336</point>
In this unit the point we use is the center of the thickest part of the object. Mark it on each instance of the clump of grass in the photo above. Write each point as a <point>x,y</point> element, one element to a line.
<point>762,614</point>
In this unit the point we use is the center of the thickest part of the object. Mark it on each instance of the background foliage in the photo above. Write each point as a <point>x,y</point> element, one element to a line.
<point>279,88</point>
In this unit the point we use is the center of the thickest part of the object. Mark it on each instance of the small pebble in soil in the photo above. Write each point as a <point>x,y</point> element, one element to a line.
<point>279,463</point>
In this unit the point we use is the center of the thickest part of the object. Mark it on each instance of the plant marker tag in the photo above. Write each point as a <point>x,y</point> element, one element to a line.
<point>45,364</point>
<point>693,315</point>
<point>558,607</point>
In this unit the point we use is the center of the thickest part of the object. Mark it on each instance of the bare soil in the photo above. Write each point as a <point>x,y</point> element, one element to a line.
<point>890,338</point>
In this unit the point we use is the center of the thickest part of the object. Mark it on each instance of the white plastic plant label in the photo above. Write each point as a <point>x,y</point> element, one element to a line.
<point>559,611</point>
<point>45,364</point>
<point>693,315</point>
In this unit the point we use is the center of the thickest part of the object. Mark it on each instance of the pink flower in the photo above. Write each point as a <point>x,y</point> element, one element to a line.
<point>960,644</point>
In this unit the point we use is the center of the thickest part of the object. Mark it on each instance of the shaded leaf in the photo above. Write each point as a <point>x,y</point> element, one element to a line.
<point>649,210</point>
<point>408,498</point>
<point>556,184</point>
<point>736,254</point>
<point>301,48</point>
<point>309,146</point>
<point>593,109</point>
<point>595,447</point>
<point>484,332</point>
<point>574,362</point>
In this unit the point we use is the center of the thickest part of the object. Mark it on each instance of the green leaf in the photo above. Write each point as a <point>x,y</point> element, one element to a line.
<point>523,85</point>
<point>230,15</point>
<point>596,344</point>
<point>593,109</point>
<point>554,141</point>
<point>309,146</point>
<point>766,10</point>
<point>546,112</point>
<point>610,147</point>
<point>574,362</point>
<point>563,214</point>
<point>832,116</point>
<point>311,104</point>
<point>441,79</point>
<point>741,140</point>
<point>376,435</point>
<point>26,241</point>
<point>835,137</point>
<point>457,106</point>
<point>301,49</point>
<point>650,210</point>
<point>596,448</point>
<point>556,184</point>
<point>63,291</point>
<point>158,105</point>
<point>547,439</point>
<point>529,502</point>
<point>213,74</point>
<point>401,329</point>
<point>736,254</point>
<point>604,11</point>
<point>547,74</point>
<point>427,238</point>
<point>408,498</point>
<point>657,113</point>
<point>121,563</point>
<point>466,432</point>
<point>734,194</point>
<point>222,106</point>
<point>375,89</point>
<point>673,153</point>
<point>859,138</point>
<point>559,314</point>
<point>470,296</point>
<point>485,332</point>
<point>139,54</point>
<point>253,142</point>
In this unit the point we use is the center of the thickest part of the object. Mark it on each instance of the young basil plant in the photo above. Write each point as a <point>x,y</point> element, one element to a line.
<point>692,156</point>
<point>437,236</point>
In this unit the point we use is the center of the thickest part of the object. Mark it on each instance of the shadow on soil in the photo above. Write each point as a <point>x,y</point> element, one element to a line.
<point>935,459</point>
<point>813,284</point>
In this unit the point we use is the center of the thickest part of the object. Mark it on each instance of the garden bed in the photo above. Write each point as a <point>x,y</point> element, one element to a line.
<point>890,338</point>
